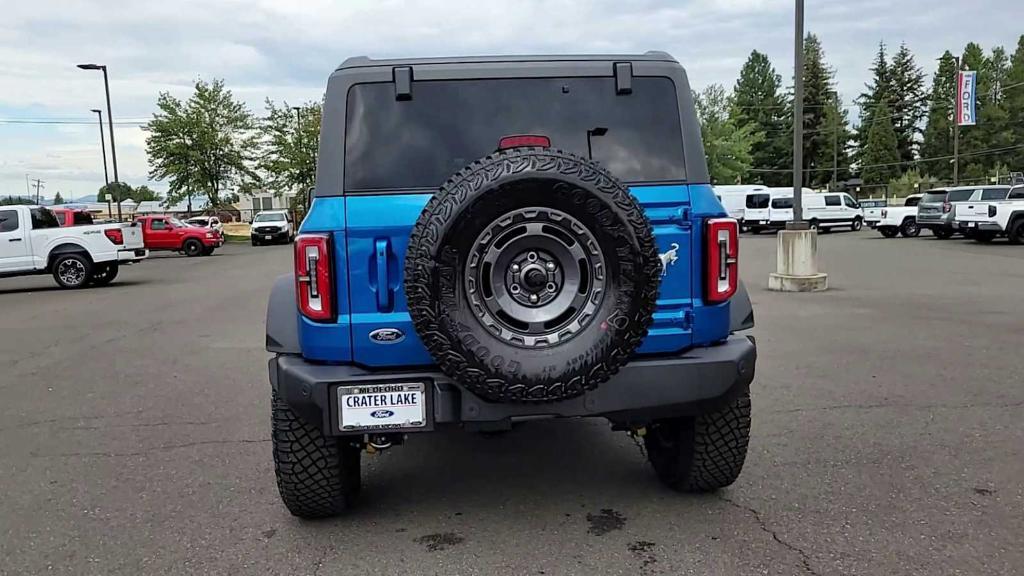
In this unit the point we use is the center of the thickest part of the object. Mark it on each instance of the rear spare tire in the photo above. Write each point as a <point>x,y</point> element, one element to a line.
<point>532,276</point>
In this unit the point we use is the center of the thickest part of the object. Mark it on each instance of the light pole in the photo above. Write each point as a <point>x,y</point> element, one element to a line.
<point>798,121</point>
<point>835,141</point>
<point>956,124</point>
<point>110,121</point>
<point>103,150</point>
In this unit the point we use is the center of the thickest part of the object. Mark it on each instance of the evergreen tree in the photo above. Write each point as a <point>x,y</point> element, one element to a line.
<point>837,135</point>
<point>726,145</point>
<point>881,153</point>
<point>1012,93</point>
<point>938,132</point>
<point>907,101</point>
<point>876,93</point>
<point>58,199</point>
<point>759,105</point>
<point>819,126</point>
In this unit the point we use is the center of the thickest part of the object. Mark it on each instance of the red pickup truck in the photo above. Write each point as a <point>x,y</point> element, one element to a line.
<point>71,216</point>
<point>169,233</point>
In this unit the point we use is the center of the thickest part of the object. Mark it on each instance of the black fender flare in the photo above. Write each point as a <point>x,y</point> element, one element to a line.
<point>741,312</point>
<point>283,317</point>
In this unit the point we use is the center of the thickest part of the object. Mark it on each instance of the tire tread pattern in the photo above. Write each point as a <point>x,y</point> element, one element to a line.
<point>315,474</point>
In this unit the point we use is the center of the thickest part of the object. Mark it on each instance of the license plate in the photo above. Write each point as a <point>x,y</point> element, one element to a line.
<point>382,406</point>
<point>763,222</point>
<point>267,237</point>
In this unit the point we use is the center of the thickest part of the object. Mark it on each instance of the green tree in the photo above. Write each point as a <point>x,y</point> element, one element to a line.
<point>58,199</point>
<point>836,137</point>
<point>877,92</point>
<point>937,141</point>
<point>115,192</point>
<point>204,146</point>
<point>759,105</point>
<point>819,123</point>
<point>907,101</point>
<point>726,145</point>
<point>1013,101</point>
<point>289,148</point>
<point>16,201</point>
<point>144,193</point>
<point>881,155</point>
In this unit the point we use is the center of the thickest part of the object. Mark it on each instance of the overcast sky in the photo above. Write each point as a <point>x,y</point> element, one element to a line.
<point>285,50</point>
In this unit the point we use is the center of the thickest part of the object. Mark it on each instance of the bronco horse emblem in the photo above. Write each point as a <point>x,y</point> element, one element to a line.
<point>668,258</point>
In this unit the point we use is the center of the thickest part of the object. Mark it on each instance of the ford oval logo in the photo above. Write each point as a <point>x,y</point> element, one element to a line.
<point>382,413</point>
<point>387,336</point>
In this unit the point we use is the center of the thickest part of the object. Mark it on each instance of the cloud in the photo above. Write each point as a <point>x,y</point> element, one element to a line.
<point>285,50</point>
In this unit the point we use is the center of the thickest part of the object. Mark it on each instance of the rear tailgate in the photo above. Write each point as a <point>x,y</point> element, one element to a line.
<point>971,211</point>
<point>132,235</point>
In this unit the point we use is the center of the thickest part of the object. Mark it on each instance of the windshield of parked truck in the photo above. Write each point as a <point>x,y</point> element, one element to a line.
<point>420,142</point>
<point>269,218</point>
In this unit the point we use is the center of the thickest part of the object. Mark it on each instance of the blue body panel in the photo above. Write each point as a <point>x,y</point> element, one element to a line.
<point>370,236</point>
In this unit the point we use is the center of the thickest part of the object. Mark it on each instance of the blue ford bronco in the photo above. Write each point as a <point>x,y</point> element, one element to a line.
<point>495,240</point>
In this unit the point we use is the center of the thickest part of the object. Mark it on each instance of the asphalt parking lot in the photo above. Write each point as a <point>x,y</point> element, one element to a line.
<point>134,438</point>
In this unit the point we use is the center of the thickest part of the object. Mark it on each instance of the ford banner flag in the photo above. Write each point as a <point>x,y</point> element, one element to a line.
<point>966,89</point>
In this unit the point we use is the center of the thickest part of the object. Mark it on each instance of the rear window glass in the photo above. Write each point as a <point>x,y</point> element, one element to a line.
<point>912,201</point>
<point>757,201</point>
<point>81,218</point>
<point>934,197</point>
<point>959,195</point>
<point>782,203</point>
<point>1016,193</point>
<point>993,194</point>
<point>419,143</point>
<point>43,218</point>
<point>61,217</point>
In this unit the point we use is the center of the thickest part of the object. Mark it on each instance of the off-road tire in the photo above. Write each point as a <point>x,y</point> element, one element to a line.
<point>857,224</point>
<point>889,231</point>
<point>103,274</point>
<point>702,453</point>
<point>66,277</point>
<point>1015,232</point>
<point>910,229</point>
<point>192,247</point>
<point>488,359</point>
<point>317,476</point>
<point>941,233</point>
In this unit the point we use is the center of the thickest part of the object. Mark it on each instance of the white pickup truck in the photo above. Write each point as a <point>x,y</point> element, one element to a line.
<point>32,241</point>
<point>899,219</point>
<point>997,218</point>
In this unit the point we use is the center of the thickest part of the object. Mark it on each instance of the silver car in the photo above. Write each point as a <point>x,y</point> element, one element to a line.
<point>936,211</point>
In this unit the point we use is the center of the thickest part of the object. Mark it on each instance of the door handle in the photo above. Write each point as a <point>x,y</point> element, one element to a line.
<point>382,246</point>
<point>14,239</point>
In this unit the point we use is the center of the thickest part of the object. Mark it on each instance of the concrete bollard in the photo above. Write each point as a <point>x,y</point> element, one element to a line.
<point>796,264</point>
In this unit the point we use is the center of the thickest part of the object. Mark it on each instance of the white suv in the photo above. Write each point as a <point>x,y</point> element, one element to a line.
<point>272,226</point>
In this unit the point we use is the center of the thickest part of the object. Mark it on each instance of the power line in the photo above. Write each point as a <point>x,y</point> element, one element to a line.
<point>903,163</point>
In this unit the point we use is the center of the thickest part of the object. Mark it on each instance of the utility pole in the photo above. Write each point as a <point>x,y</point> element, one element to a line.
<point>28,191</point>
<point>956,123</point>
<point>798,121</point>
<point>39,184</point>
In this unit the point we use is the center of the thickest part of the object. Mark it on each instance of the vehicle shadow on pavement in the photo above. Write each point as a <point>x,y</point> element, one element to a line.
<point>546,468</point>
<point>54,288</point>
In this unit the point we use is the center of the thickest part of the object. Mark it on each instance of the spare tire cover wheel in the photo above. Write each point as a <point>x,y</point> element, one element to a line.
<point>532,276</point>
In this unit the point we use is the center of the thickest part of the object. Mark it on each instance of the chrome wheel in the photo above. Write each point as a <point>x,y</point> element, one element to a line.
<point>535,277</point>
<point>71,272</point>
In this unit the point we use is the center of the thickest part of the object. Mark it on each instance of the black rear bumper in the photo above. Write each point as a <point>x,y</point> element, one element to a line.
<point>699,380</point>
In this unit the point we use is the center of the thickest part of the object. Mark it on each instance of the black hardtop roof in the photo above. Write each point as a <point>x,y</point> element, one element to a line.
<point>366,61</point>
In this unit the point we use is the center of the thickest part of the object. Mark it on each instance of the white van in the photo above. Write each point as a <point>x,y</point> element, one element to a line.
<point>734,199</point>
<point>773,207</point>
<point>825,210</point>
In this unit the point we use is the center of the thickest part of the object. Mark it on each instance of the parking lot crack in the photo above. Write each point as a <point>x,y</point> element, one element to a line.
<point>154,449</point>
<point>805,559</point>
<point>882,406</point>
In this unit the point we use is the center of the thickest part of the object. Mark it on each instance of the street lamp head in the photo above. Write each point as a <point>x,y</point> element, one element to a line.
<point>91,66</point>
<point>96,110</point>
<point>599,131</point>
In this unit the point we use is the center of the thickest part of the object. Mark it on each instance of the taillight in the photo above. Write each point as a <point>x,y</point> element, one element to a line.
<point>114,235</point>
<point>313,281</point>
<point>884,212</point>
<point>722,260</point>
<point>992,210</point>
<point>524,140</point>
<point>946,207</point>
